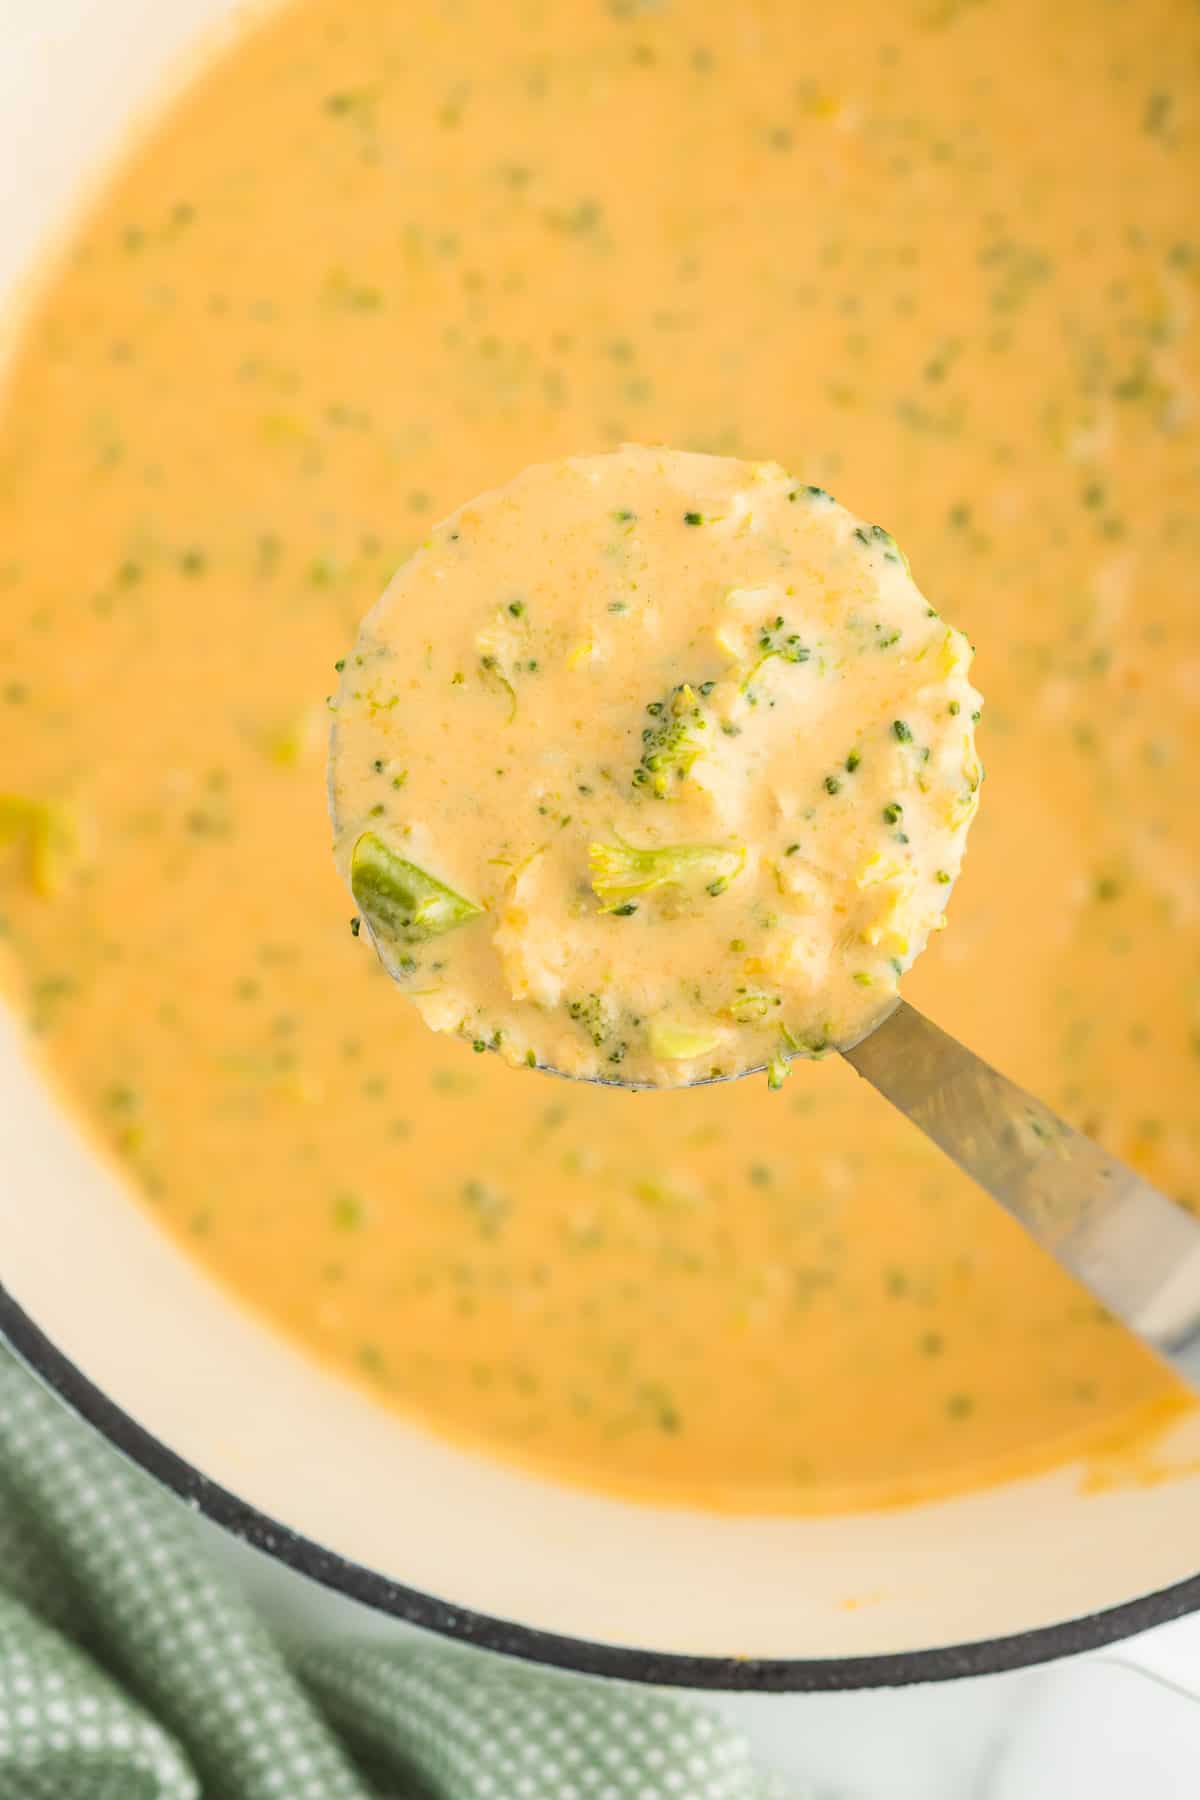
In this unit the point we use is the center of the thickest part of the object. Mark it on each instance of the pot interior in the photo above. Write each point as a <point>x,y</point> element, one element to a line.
<point>253,1414</point>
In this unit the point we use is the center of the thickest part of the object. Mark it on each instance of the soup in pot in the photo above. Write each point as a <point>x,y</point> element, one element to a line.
<point>940,256</point>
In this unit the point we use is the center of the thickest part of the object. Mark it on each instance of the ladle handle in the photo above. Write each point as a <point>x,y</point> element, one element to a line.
<point>1137,1251</point>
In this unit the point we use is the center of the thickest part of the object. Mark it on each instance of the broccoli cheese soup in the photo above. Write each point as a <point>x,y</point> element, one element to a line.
<point>939,259</point>
<point>784,826</point>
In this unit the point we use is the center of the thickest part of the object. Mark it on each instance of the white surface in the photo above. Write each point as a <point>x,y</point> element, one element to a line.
<point>162,1341</point>
<point>1092,1729</point>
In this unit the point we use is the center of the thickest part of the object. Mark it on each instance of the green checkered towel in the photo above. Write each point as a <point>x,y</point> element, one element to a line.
<point>130,1669</point>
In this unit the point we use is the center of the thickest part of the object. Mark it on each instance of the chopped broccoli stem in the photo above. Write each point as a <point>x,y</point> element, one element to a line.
<point>399,900</point>
<point>751,1006</point>
<point>673,742</point>
<point>620,871</point>
<point>679,1043</point>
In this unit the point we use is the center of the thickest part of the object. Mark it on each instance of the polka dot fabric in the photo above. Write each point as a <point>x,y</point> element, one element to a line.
<point>136,1588</point>
<point>130,1670</point>
<point>479,1728</point>
<point>66,1729</point>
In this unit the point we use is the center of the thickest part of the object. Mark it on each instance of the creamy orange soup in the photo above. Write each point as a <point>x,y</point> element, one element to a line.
<point>941,256</point>
<point>655,891</point>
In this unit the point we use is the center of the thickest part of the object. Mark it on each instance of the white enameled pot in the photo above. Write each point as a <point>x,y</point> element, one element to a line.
<point>141,1342</point>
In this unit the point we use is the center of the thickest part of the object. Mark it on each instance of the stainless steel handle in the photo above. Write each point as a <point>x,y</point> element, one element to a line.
<point>1137,1251</point>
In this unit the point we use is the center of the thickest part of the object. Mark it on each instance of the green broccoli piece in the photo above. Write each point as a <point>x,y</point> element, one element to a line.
<point>775,639</point>
<point>593,1015</point>
<point>399,900</point>
<point>598,1017</point>
<point>679,1043</point>
<point>750,1005</point>
<point>620,872</point>
<point>673,742</point>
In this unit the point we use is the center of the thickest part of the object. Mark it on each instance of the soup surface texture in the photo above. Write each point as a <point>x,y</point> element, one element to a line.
<point>728,875</point>
<point>378,257</point>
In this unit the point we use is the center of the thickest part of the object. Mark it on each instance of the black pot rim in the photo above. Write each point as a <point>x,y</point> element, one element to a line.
<point>986,1656</point>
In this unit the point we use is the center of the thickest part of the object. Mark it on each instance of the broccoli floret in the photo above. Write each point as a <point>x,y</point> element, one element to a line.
<point>678,735</point>
<point>621,872</point>
<point>592,1015</point>
<point>399,900</point>
<point>775,638</point>
<point>598,1017</point>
